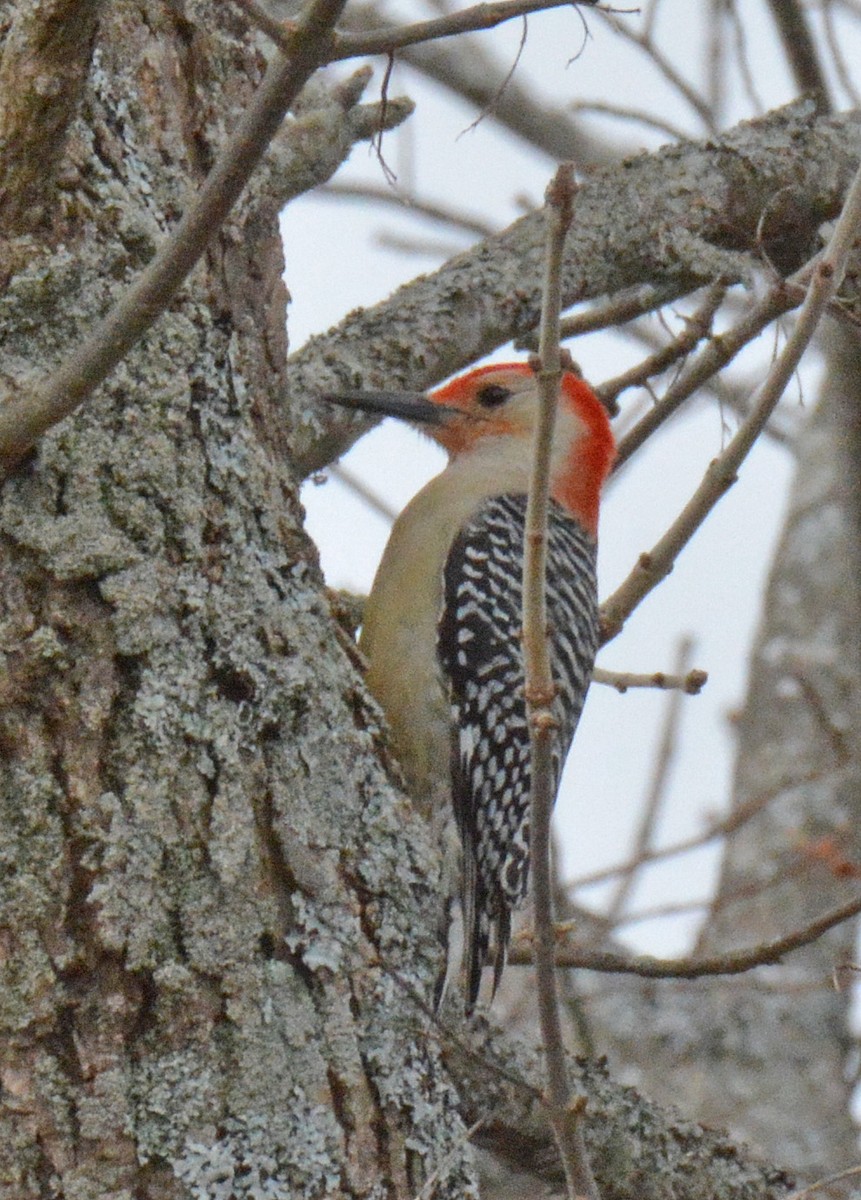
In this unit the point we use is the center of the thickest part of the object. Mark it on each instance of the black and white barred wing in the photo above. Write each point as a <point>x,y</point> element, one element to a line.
<point>479,646</point>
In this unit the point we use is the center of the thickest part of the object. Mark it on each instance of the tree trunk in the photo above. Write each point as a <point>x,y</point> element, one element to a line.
<point>799,770</point>
<point>215,911</point>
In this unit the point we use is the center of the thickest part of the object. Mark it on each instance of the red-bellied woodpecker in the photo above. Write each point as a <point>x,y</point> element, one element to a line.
<point>441,628</point>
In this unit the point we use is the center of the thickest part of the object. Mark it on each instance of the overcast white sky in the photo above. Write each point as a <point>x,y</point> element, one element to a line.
<point>334,263</point>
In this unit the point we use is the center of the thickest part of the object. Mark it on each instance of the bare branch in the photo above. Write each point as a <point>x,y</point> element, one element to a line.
<point>465,69</point>
<point>837,57</point>
<point>826,276</point>
<point>719,351</point>
<point>657,787</point>
<point>654,912</point>
<point>409,204</point>
<point>736,962</point>
<point>731,394</point>
<point>637,1150</point>
<point>397,37</point>
<point>832,858</point>
<point>692,683</point>
<point>638,115</point>
<point>697,327</point>
<point>540,690</point>
<point>645,42</point>
<point>406,244</point>
<point>733,820</point>
<point>365,493</point>
<point>614,310</point>
<point>429,1185</point>
<point>826,1182</point>
<point>743,60</point>
<point>277,31</point>
<point>800,50</point>
<point>490,107</point>
<point>468,20</point>
<point>715,58</point>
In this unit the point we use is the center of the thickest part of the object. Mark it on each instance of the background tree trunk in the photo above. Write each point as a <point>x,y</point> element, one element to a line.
<point>769,1055</point>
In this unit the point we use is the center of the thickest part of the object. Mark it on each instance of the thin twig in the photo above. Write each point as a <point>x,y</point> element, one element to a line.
<point>714,356</point>
<point>614,310</point>
<point>735,962</point>
<point>836,50</point>
<point>468,20</point>
<point>638,115</point>
<point>742,59</point>
<point>425,247</point>
<point>696,327</point>
<point>276,31</point>
<point>741,894</point>
<point>826,276</point>
<point>467,70</point>
<point>826,1182</point>
<point>429,1185</point>
<point>565,1114</point>
<point>692,682</point>
<point>407,203</point>
<point>715,58</point>
<point>659,912</point>
<point>24,418</point>
<point>491,105</point>
<point>397,37</point>
<point>365,493</point>
<point>649,18</point>
<point>377,140</point>
<point>728,824</point>
<point>731,394</point>
<point>657,787</point>
<point>666,68</point>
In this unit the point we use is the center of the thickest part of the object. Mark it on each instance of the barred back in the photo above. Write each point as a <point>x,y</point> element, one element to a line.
<point>479,647</point>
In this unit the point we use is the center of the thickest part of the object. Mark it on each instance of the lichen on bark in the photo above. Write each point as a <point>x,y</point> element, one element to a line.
<point>208,878</point>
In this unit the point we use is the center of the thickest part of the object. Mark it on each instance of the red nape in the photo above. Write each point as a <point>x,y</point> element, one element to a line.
<point>578,488</point>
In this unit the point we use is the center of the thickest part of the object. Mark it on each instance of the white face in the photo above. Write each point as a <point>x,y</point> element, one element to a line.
<point>516,413</point>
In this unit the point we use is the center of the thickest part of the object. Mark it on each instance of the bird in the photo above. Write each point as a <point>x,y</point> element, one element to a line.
<point>441,628</point>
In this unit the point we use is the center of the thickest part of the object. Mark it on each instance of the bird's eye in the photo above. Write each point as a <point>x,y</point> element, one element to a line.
<point>492,395</point>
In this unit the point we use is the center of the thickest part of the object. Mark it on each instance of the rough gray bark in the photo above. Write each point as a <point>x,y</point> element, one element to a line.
<point>638,1150</point>
<point>206,879</point>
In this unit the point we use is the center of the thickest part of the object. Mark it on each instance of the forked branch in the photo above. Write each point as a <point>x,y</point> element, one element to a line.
<point>825,275</point>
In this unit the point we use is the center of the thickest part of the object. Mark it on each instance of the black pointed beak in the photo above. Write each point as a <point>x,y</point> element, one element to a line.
<point>409,406</point>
